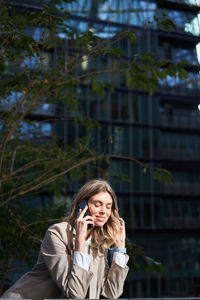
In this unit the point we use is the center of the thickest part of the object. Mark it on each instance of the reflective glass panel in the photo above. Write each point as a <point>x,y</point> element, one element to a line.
<point>121,140</point>
<point>138,12</point>
<point>185,21</point>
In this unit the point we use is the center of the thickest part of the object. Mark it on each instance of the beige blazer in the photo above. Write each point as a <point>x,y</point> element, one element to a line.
<point>55,275</point>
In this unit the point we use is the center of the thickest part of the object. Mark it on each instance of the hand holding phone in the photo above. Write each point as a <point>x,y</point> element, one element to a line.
<point>81,206</point>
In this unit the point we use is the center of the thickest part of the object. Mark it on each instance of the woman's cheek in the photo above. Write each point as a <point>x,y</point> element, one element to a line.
<point>93,210</point>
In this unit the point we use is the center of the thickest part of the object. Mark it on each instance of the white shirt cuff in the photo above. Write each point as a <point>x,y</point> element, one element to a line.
<point>82,259</point>
<point>120,259</point>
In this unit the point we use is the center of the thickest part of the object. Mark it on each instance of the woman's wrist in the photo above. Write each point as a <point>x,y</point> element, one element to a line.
<point>120,245</point>
<point>79,246</point>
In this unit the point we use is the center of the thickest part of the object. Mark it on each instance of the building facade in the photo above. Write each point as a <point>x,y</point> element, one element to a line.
<point>162,130</point>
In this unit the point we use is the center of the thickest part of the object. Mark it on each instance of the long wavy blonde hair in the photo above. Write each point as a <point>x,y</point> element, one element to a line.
<point>104,236</point>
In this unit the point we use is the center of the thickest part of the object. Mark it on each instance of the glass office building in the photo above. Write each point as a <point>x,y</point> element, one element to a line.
<point>162,130</point>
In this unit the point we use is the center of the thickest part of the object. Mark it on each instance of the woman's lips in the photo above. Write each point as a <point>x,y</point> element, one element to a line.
<point>101,219</point>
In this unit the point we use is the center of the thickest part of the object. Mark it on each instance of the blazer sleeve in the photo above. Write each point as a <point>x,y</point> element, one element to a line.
<point>113,283</point>
<point>72,279</point>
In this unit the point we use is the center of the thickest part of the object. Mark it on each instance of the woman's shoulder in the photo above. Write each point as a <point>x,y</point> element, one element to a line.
<point>60,234</point>
<point>61,229</point>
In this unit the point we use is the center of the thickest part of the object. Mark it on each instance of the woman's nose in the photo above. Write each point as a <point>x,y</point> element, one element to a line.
<point>102,210</point>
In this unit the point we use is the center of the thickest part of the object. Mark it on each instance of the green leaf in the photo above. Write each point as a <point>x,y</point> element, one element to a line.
<point>146,166</point>
<point>98,87</point>
<point>132,37</point>
<point>163,175</point>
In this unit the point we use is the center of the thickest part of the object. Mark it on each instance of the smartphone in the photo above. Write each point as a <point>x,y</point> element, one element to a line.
<point>81,206</point>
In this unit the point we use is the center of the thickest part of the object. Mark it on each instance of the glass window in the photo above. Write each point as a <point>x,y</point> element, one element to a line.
<point>93,105</point>
<point>120,172</point>
<point>167,208</point>
<point>144,137</point>
<point>121,140</point>
<point>136,180</point>
<point>77,25</point>
<point>175,208</point>
<point>124,109</point>
<point>177,114</point>
<point>154,287</point>
<point>37,33</point>
<point>9,101</point>
<point>35,130</point>
<point>71,131</point>
<point>115,107</point>
<point>115,171</point>
<point>194,209</point>
<point>105,31</point>
<point>136,212</point>
<point>105,138</point>
<point>155,110</point>
<point>138,12</point>
<point>43,63</point>
<point>45,109</point>
<point>144,109</point>
<point>134,109</point>
<point>189,85</point>
<point>185,21</point>
<point>146,182</point>
<point>135,141</point>
<point>182,146</point>
<point>189,54</point>
<point>142,288</point>
<point>155,143</point>
<point>141,12</point>
<point>147,212</point>
<point>81,100</point>
<point>191,2</point>
<point>126,182</point>
<point>104,108</point>
<point>94,142</point>
<point>124,46</point>
<point>125,209</point>
<point>46,128</point>
<point>115,11</point>
<point>119,106</point>
<point>99,108</point>
<point>80,7</point>
<point>82,132</point>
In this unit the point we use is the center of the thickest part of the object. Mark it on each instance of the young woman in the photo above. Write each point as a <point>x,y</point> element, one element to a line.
<point>73,259</point>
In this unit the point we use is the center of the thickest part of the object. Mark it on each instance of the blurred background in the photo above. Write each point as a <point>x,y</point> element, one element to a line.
<point>162,130</point>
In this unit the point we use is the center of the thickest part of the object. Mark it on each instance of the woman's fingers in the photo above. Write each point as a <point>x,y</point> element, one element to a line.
<point>86,219</point>
<point>121,222</point>
<point>82,222</point>
<point>82,212</point>
<point>90,222</point>
<point>121,234</point>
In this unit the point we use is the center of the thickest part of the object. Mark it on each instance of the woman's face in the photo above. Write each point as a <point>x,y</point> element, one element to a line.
<point>100,207</point>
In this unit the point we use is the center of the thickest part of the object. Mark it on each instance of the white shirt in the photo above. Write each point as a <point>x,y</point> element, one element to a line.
<point>83,259</point>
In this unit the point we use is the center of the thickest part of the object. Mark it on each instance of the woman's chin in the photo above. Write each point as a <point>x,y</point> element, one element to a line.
<point>100,223</point>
